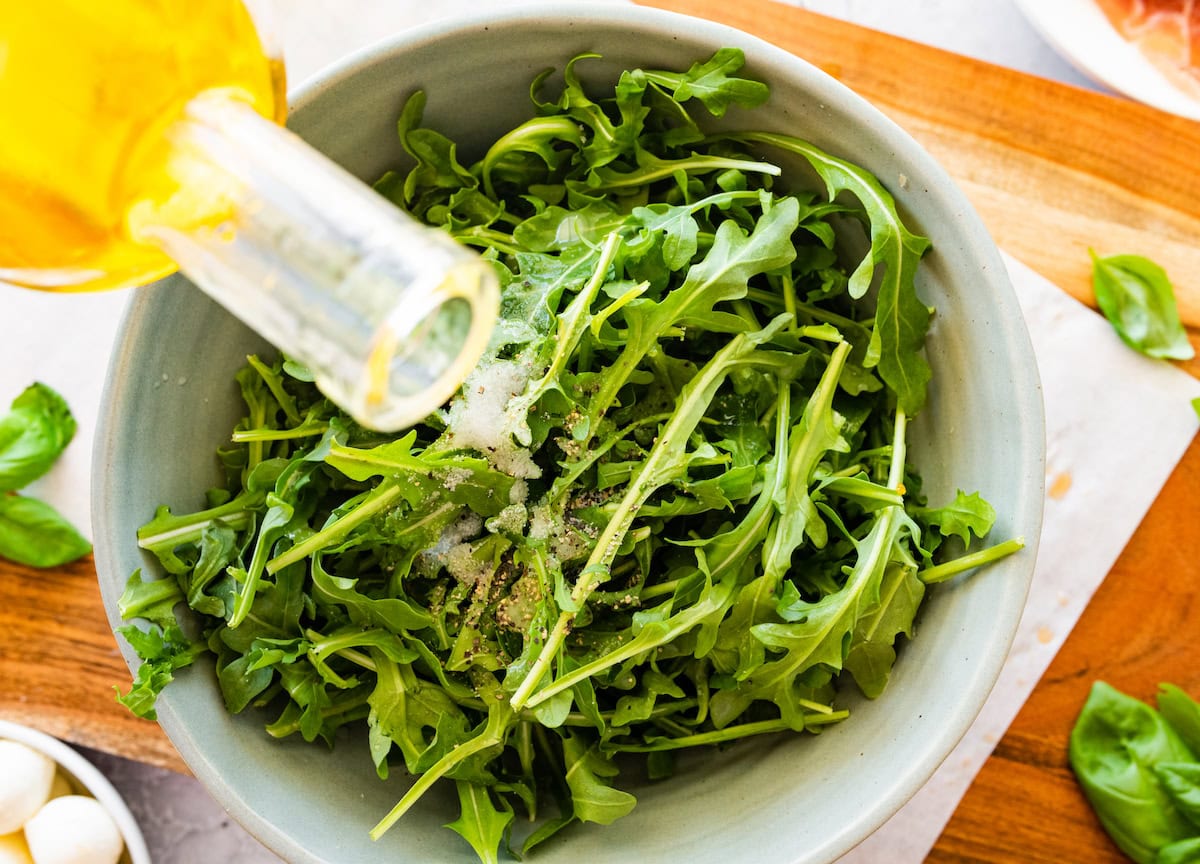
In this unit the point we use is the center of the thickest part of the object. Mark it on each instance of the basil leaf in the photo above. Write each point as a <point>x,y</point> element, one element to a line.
<point>1182,712</point>
<point>1138,299</point>
<point>1115,744</point>
<point>33,533</point>
<point>1180,852</point>
<point>37,428</point>
<point>1182,782</point>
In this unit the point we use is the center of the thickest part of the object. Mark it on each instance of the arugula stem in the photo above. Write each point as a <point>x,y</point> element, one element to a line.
<point>275,385</point>
<point>827,317</point>
<point>660,588</point>
<point>302,431</point>
<point>498,723</point>
<point>730,733</point>
<point>169,531</point>
<point>789,299</point>
<point>899,452</point>
<point>949,569</point>
<point>377,500</point>
<point>667,168</point>
<point>487,238</point>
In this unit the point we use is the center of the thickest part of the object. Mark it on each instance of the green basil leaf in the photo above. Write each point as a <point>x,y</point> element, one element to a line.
<point>1138,299</point>
<point>1115,744</point>
<point>1180,852</point>
<point>34,533</point>
<point>1182,782</point>
<point>1182,712</point>
<point>37,428</point>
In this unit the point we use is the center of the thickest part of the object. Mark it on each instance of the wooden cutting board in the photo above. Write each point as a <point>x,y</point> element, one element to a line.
<point>1053,171</point>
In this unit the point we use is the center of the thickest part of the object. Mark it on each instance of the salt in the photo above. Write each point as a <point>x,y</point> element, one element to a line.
<point>482,418</point>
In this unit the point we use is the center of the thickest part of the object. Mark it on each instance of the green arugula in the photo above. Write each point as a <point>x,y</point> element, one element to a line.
<point>1137,298</point>
<point>33,434</point>
<point>667,510</point>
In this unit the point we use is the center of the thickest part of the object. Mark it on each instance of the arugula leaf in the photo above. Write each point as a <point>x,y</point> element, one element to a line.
<point>163,652</point>
<point>962,517</point>
<point>37,428</point>
<point>872,653</point>
<point>710,82</point>
<point>901,319</point>
<point>1137,298</point>
<point>33,533</point>
<point>152,600</point>
<point>593,800</point>
<point>481,823</point>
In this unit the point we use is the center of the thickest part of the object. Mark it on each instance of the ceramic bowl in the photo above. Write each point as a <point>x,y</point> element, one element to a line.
<point>84,779</point>
<point>171,402</point>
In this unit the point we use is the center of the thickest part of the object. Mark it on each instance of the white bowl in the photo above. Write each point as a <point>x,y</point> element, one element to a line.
<point>790,799</point>
<point>85,779</point>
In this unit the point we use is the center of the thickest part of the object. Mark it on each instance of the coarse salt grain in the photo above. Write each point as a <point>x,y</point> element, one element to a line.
<point>481,418</point>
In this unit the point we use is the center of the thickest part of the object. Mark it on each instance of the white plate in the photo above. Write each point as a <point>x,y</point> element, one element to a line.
<point>84,777</point>
<point>1080,31</point>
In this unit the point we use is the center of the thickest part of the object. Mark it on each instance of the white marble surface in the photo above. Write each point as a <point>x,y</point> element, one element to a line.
<point>183,826</point>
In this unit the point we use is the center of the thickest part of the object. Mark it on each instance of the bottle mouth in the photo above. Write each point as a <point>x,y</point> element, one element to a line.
<point>425,348</point>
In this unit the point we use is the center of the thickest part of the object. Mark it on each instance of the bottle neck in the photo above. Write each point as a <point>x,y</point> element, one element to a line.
<point>389,315</point>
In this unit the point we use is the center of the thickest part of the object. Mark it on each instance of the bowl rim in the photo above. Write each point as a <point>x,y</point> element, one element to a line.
<point>89,776</point>
<point>1029,408</point>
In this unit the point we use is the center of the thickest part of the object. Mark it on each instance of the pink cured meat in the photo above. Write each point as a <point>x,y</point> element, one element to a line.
<point>1166,31</point>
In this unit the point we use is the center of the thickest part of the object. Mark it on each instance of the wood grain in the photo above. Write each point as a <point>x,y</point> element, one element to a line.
<point>1138,630</point>
<point>1052,171</point>
<point>59,663</point>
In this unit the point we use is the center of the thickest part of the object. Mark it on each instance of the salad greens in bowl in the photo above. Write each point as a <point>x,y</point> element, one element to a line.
<point>725,537</point>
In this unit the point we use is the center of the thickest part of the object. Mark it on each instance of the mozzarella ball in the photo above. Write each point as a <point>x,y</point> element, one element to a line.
<point>13,849</point>
<point>73,830</point>
<point>25,778</point>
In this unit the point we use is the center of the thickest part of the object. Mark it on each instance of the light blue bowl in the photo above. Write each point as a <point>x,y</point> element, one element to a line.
<point>803,799</point>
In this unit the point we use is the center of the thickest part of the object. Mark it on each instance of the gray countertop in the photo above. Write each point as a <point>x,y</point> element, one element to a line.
<point>182,824</point>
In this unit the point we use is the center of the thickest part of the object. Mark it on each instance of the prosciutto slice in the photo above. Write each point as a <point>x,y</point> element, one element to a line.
<point>1166,31</point>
